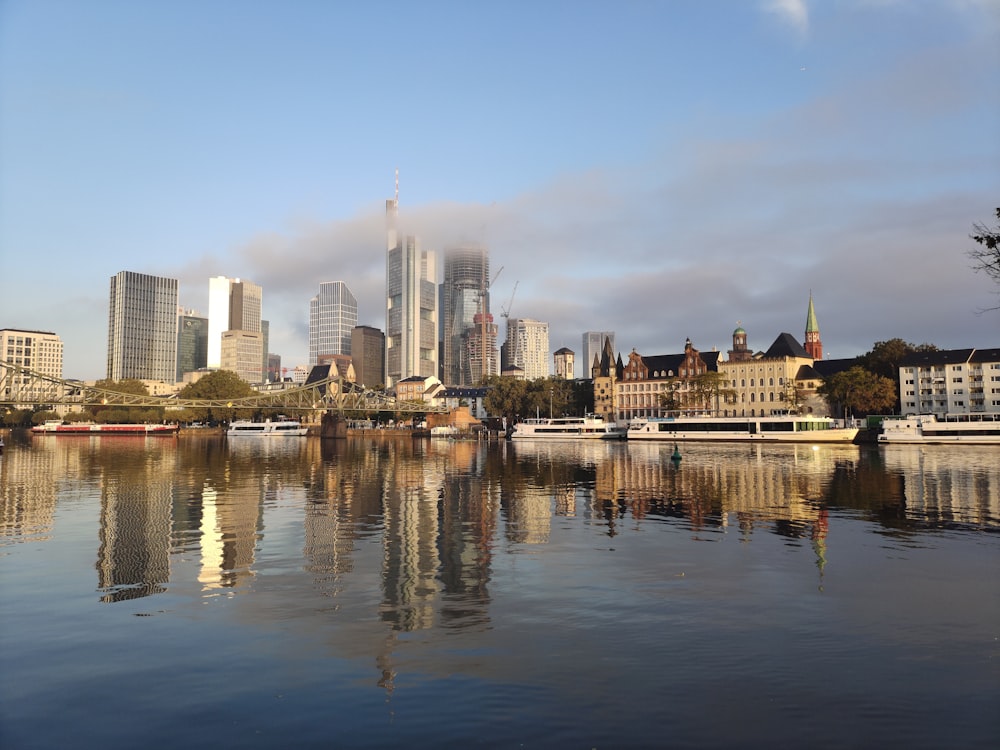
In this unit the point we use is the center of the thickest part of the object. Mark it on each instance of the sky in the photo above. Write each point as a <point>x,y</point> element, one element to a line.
<point>663,170</point>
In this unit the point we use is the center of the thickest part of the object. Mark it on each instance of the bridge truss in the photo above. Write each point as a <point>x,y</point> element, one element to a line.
<point>21,387</point>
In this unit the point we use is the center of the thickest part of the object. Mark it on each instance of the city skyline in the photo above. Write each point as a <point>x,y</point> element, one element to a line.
<point>691,166</point>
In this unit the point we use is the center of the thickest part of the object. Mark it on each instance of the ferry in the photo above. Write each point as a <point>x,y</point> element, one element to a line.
<point>964,429</point>
<point>58,427</point>
<point>279,428</point>
<point>589,427</point>
<point>785,428</point>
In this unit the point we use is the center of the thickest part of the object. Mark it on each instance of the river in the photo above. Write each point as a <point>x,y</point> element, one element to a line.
<point>400,592</point>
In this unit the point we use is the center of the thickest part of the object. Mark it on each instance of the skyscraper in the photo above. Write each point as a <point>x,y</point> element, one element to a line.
<point>142,327</point>
<point>410,303</point>
<point>192,342</point>
<point>465,296</point>
<point>593,346</point>
<point>234,316</point>
<point>368,355</point>
<point>333,314</point>
<point>527,347</point>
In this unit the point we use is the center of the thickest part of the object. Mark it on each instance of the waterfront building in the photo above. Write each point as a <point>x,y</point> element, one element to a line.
<point>593,349</point>
<point>368,355</point>
<point>418,388</point>
<point>411,314</point>
<point>605,374</point>
<point>333,314</point>
<point>527,347</point>
<point>953,381</point>
<point>655,385</point>
<point>142,327</point>
<point>192,342</point>
<point>466,318</point>
<point>563,361</point>
<point>39,351</point>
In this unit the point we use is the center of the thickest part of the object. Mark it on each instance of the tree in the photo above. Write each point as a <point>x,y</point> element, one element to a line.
<point>859,391</point>
<point>986,257</point>
<point>711,388</point>
<point>506,397</point>
<point>885,357</point>
<point>221,385</point>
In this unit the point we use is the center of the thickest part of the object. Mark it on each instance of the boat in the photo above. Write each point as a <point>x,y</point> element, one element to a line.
<point>784,428</point>
<point>965,429</point>
<point>276,428</point>
<point>589,427</point>
<point>58,427</point>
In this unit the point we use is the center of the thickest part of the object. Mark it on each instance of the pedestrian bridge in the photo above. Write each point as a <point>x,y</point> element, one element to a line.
<point>22,388</point>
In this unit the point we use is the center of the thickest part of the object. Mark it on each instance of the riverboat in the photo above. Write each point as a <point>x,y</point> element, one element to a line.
<point>786,428</point>
<point>589,427</point>
<point>279,428</point>
<point>57,427</point>
<point>971,429</point>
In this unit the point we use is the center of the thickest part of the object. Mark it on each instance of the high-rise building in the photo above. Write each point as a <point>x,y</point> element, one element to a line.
<point>39,351</point>
<point>479,347</point>
<point>593,346</point>
<point>142,327</point>
<point>234,307</point>
<point>411,313</point>
<point>333,314</point>
<point>527,347</point>
<point>465,295</point>
<point>192,342</point>
<point>368,355</point>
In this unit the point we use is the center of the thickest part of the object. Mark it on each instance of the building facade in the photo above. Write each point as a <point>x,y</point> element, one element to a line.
<point>411,314</point>
<point>954,381</point>
<point>234,307</point>
<point>465,301</point>
<point>527,347</point>
<point>241,353</point>
<point>564,363</point>
<point>657,385</point>
<point>192,342</point>
<point>593,349</point>
<point>142,327</point>
<point>38,351</point>
<point>368,355</point>
<point>333,314</point>
<point>605,374</point>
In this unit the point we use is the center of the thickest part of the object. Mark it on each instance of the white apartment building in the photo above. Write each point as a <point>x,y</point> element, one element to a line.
<point>527,347</point>
<point>955,381</point>
<point>39,351</point>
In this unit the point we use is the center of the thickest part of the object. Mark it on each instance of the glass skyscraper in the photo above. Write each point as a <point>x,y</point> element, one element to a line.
<point>142,327</point>
<point>333,314</point>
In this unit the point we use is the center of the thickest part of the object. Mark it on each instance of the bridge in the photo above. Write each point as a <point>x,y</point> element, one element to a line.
<point>21,387</point>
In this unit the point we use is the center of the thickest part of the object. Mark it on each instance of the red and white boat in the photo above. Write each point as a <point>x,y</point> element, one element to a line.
<point>56,427</point>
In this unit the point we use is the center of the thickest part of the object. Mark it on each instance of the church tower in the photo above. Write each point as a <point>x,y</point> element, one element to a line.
<point>739,352</point>
<point>813,345</point>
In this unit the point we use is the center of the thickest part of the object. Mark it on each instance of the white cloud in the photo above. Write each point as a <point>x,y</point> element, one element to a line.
<point>793,12</point>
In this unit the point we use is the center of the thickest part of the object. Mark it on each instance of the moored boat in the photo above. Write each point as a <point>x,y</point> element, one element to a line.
<point>57,427</point>
<point>276,428</point>
<point>785,428</point>
<point>972,429</point>
<point>589,427</point>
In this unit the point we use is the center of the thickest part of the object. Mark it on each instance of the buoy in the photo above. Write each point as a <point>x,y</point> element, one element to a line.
<point>676,455</point>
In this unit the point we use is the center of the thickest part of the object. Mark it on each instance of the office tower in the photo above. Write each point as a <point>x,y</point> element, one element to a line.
<point>465,295</point>
<point>234,307</point>
<point>265,331</point>
<point>479,347</point>
<point>564,363</point>
<point>368,355</point>
<point>593,345</point>
<point>192,342</point>
<point>142,327</point>
<point>527,347</point>
<point>39,351</point>
<point>333,314</point>
<point>410,304</point>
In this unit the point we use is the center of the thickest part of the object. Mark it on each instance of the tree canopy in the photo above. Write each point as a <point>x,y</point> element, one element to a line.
<point>219,386</point>
<point>859,391</point>
<point>986,257</point>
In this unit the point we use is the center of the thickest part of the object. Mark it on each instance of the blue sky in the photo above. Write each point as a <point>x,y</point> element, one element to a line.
<point>660,169</point>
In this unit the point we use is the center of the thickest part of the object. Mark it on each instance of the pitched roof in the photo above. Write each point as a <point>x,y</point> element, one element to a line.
<point>786,346</point>
<point>564,350</point>
<point>941,357</point>
<point>828,367</point>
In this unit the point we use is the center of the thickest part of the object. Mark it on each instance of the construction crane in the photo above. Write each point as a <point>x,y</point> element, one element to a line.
<point>505,312</point>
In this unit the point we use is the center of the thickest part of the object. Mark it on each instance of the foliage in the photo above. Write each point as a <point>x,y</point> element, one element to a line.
<point>17,417</point>
<point>223,386</point>
<point>704,392</point>
<point>884,360</point>
<point>859,391</point>
<point>518,399</point>
<point>40,417</point>
<point>986,257</point>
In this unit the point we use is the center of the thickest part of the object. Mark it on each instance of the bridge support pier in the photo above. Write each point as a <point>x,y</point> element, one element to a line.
<point>333,426</point>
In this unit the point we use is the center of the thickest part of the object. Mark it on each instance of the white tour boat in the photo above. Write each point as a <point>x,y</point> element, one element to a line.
<point>972,429</point>
<point>590,427</point>
<point>786,428</point>
<point>279,428</point>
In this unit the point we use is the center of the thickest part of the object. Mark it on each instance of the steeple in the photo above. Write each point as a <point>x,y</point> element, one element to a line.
<point>813,344</point>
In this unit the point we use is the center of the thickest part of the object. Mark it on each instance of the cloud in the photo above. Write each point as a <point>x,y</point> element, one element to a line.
<point>792,12</point>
